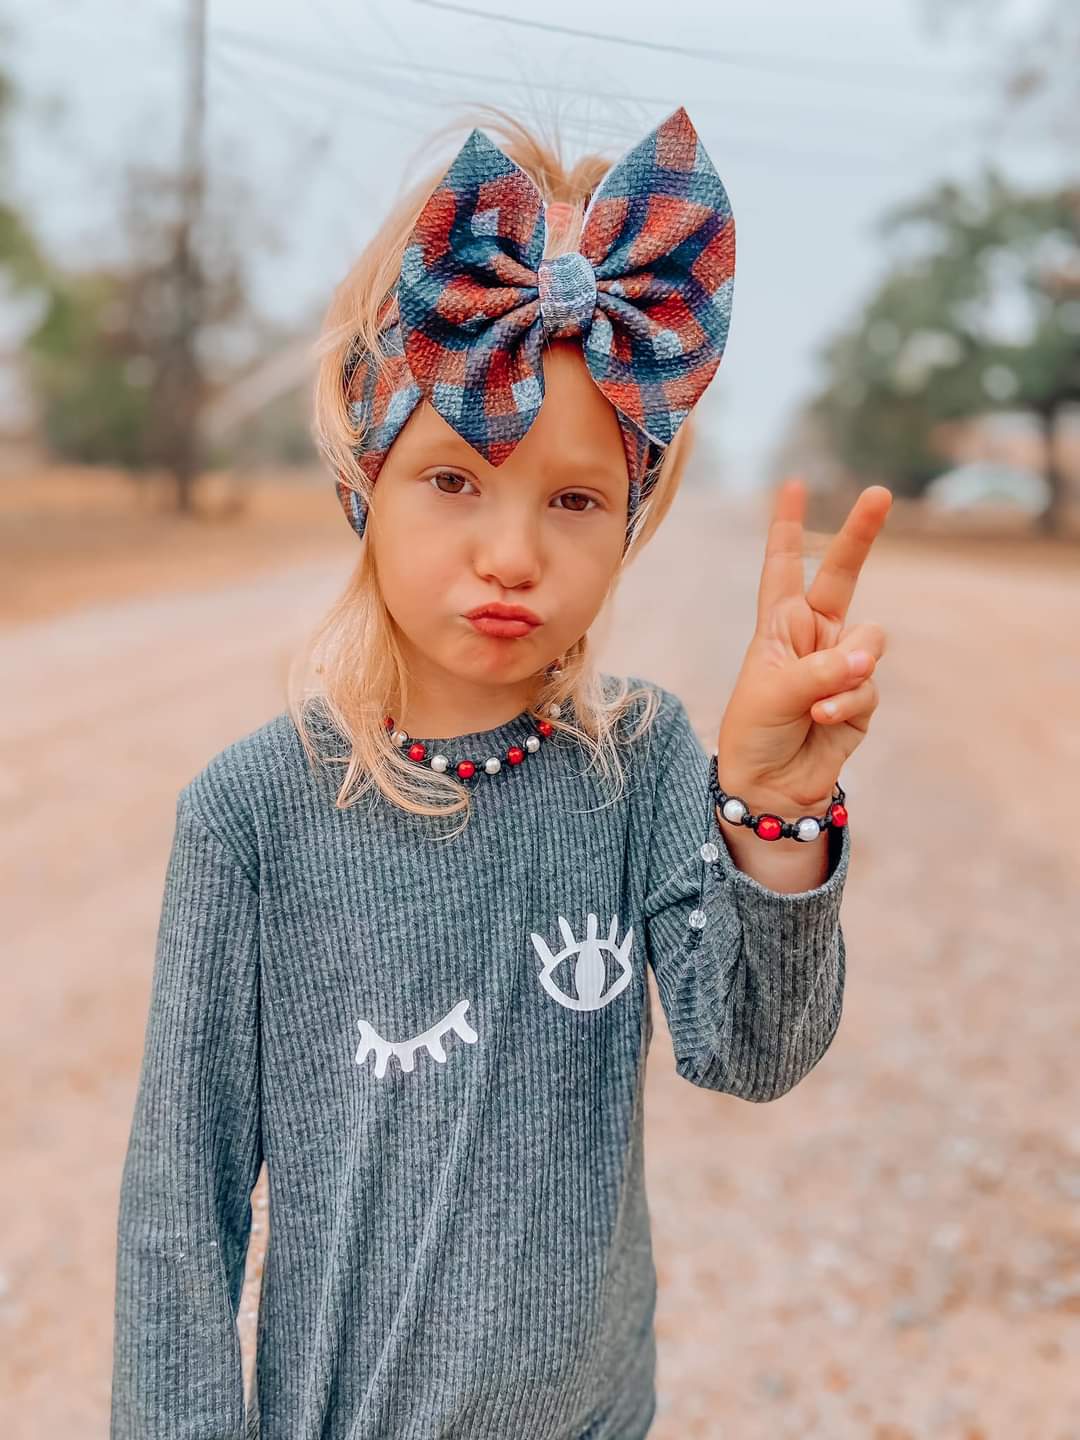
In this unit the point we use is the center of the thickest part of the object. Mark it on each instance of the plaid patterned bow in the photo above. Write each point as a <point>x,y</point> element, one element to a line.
<point>648,294</point>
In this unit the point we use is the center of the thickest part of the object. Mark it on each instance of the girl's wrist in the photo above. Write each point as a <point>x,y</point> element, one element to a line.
<point>762,801</point>
<point>747,812</point>
<point>741,838</point>
<point>783,865</point>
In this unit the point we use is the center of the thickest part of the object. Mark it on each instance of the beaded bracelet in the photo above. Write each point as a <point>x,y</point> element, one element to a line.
<point>771,827</point>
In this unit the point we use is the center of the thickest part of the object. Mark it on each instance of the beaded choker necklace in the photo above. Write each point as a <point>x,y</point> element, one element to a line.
<point>468,768</point>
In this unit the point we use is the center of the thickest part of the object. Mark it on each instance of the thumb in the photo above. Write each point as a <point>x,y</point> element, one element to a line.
<point>829,672</point>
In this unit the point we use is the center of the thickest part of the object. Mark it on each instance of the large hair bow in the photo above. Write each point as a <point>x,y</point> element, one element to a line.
<point>648,294</point>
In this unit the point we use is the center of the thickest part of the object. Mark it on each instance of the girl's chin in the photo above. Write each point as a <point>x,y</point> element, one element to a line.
<point>488,660</point>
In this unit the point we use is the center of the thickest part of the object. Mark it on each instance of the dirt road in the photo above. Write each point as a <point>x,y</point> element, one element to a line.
<point>891,1251</point>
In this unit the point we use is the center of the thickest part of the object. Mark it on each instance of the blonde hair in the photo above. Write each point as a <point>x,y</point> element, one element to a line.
<point>352,674</point>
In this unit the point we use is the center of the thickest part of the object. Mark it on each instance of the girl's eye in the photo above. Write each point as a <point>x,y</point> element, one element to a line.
<point>575,495</point>
<point>448,475</point>
<point>579,504</point>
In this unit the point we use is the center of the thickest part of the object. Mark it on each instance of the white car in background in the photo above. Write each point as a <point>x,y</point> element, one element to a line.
<point>988,483</point>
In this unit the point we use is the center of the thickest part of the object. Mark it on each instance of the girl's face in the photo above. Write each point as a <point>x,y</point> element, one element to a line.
<point>543,531</point>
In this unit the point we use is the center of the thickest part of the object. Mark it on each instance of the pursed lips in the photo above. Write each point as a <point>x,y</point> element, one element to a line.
<point>504,622</point>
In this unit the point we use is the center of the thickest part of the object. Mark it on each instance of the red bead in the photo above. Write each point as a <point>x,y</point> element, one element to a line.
<point>416,751</point>
<point>515,754</point>
<point>466,769</point>
<point>839,814</point>
<point>545,727</point>
<point>389,722</point>
<point>769,827</point>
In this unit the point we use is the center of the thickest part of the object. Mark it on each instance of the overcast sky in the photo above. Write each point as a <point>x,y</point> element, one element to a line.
<point>817,116</point>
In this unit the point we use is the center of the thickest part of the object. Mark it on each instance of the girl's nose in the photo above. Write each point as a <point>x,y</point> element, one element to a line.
<point>507,549</point>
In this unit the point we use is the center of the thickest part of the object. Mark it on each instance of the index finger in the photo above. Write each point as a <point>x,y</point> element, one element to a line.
<point>782,568</point>
<point>833,586</point>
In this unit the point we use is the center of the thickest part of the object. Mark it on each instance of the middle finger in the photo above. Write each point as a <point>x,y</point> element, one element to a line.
<point>833,585</point>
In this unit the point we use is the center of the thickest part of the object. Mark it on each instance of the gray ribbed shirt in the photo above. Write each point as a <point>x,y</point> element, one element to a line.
<point>438,1048</point>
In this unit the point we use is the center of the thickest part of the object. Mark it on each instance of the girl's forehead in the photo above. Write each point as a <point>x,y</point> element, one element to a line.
<point>575,413</point>
<point>577,429</point>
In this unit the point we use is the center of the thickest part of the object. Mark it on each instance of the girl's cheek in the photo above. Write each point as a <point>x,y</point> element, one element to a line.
<point>590,556</point>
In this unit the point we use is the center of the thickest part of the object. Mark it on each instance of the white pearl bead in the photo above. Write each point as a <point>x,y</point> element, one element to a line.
<point>399,737</point>
<point>554,710</point>
<point>439,763</point>
<point>493,766</point>
<point>696,919</point>
<point>532,744</point>
<point>709,852</point>
<point>733,810</point>
<point>808,829</point>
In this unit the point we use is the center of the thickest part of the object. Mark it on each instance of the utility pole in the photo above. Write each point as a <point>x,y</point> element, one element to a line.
<point>184,393</point>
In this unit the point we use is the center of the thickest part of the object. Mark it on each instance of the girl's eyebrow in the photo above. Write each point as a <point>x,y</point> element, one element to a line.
<point>600,474</point>
<point>580,462</point>
<point>450,444</point>
<point>460,456</point>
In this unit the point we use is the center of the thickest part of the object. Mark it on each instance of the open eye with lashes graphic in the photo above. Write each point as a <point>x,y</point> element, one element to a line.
<point>405,1050</point>
<point>590,972</point>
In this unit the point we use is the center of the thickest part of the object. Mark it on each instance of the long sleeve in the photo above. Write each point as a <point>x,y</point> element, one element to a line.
<point>193,1155</point>
<point>753,998</point>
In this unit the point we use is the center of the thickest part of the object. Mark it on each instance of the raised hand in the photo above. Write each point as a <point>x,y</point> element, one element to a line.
<point>805,692</point>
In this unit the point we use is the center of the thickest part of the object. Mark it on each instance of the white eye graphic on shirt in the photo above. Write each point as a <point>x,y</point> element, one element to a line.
<point>405,1050</point>
<point>590,971</point>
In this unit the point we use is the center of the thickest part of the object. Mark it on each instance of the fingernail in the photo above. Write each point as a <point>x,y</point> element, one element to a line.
<point>858,660</point>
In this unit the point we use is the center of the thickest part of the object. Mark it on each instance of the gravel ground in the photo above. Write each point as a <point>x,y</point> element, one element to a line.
<point>891,1251</point>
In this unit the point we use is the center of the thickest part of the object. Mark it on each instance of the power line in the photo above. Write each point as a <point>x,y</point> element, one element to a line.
<point>809,66</point>
<point>317,151</point>
<point>699,102</point>
<point>318,71</point>
<point>228,64</point>
<point>238,37</point>
<point>318,68</point>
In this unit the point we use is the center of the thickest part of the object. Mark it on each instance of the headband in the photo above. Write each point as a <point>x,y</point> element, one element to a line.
<point>648,295</point>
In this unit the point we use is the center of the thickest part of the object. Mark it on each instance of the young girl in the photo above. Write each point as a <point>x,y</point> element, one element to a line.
<point>406,925</point>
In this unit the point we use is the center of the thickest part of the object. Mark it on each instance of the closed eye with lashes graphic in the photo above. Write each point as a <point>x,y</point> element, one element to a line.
<point>405,1050</point>
<point>590,972</point>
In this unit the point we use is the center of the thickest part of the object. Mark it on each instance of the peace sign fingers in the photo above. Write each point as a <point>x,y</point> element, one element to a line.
<point>833,586</point>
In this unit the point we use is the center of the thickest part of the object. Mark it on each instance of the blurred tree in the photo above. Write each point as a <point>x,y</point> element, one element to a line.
<point>982,315</point>
<point>127,359</point>
<point>102,363</point>
<point>22,263</point>
<point>86,373</point>
<point>20,257</point>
